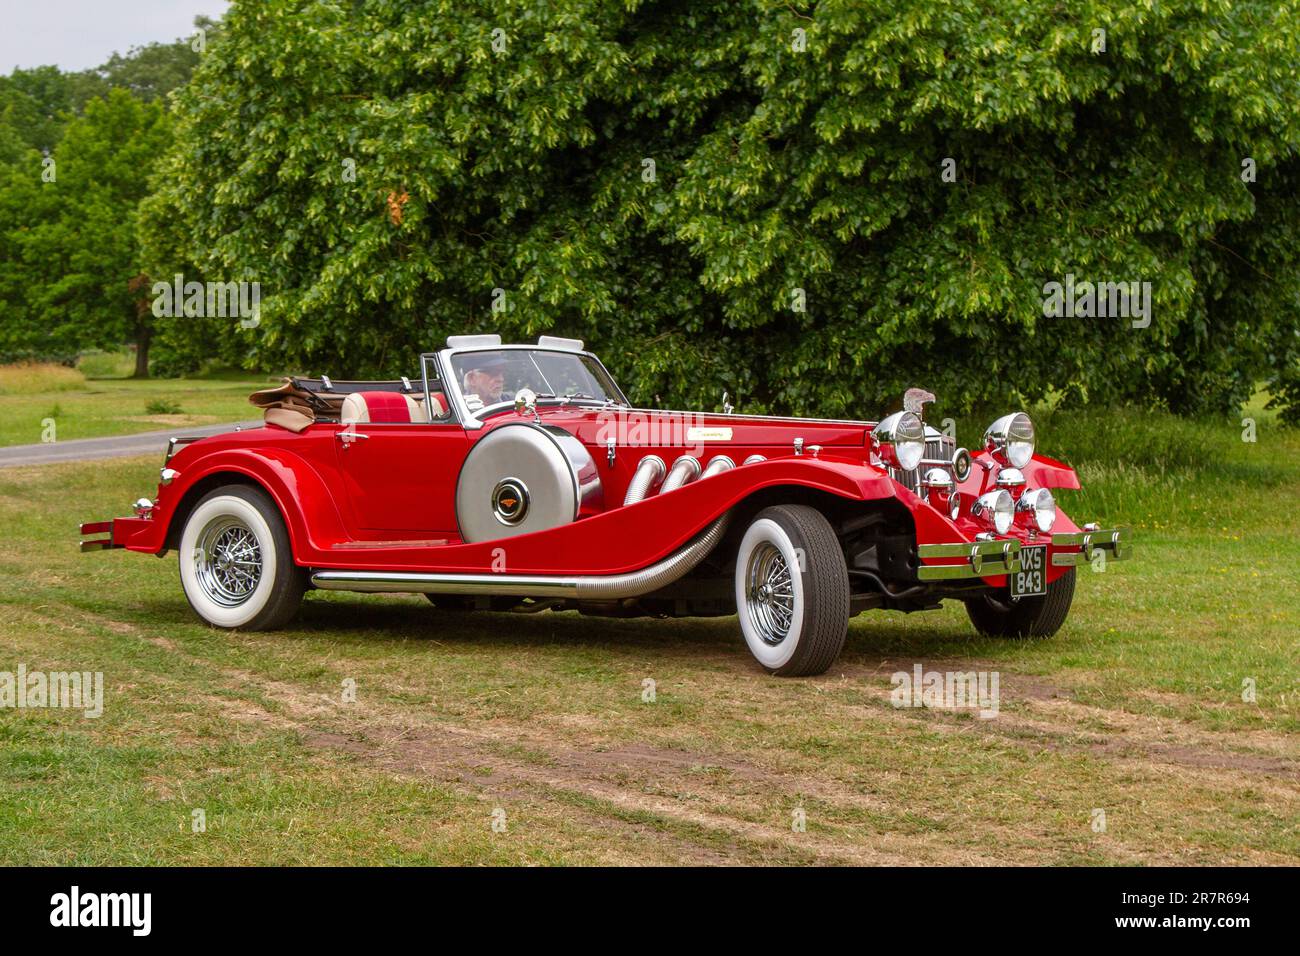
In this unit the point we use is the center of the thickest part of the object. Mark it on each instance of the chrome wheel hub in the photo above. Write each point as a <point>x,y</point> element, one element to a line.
<point>769,594</point>
<point>227,561</point>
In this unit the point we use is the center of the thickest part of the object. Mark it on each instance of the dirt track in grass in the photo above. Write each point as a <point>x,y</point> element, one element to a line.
<point>710,806</point>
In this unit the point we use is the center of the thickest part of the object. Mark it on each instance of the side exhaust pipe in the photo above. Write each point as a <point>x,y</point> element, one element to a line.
<point>684,469</point>
<point>650,469</point>
<point>717,465</point>
<point>589,587</point>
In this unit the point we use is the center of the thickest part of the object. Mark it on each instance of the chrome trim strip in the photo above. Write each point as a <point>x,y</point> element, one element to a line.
<point>516,585</point>
<point>770,418</point>
<point>174,444</point>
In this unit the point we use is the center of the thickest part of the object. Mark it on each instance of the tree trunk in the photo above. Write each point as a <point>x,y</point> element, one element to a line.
<point>142,336</point>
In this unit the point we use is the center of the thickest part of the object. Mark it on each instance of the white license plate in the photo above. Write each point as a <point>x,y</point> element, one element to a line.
<point>1031,579</point>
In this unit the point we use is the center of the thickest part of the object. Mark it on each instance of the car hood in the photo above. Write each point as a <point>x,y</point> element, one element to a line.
<point>642,427</point>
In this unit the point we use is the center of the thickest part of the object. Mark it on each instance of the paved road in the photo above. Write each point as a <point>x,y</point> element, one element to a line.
<point>118,446</point>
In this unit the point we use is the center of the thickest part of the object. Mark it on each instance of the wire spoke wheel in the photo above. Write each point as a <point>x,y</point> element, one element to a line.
<point>236,561</point>
<point>227,561</point>
<point>770,594</point>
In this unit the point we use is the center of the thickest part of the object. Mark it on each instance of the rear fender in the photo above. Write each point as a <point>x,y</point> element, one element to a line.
<point>305,501</point>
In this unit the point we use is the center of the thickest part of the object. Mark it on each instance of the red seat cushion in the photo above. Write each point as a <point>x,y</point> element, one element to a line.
<point>361,407</point>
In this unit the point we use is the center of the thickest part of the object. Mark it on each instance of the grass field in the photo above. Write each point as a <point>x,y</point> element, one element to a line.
<point>81,405</point>
<point>1135,709</point>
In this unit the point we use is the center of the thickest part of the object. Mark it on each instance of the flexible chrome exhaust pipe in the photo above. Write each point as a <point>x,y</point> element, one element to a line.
<point>650,469</point>
<point>684,469</point>
<point>665,572</point>
<point>717,465</point>
<point>587,587</point>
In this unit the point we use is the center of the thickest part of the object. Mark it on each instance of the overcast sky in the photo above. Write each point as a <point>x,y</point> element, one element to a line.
<point>79,34</point>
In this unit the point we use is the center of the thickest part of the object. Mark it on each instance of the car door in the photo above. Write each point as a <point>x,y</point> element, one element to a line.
<point>400,478</point>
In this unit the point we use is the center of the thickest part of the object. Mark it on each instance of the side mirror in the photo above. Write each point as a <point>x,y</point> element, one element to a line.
<point>526,402</point>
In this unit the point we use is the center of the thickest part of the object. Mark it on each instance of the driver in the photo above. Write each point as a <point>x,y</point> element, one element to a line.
<point>485,377</point>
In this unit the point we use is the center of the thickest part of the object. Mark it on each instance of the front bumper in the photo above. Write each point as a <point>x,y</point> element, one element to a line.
<point>1000,556</point>
<point>983,559</point>
<point>1114,541</point>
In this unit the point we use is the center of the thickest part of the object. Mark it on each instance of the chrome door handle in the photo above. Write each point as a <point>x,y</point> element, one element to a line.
<point>346,436</point>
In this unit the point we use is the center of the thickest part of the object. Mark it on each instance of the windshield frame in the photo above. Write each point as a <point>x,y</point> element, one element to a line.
<point>474,419</point>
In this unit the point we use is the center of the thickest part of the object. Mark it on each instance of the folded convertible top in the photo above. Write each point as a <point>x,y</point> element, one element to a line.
<point>298,401</point>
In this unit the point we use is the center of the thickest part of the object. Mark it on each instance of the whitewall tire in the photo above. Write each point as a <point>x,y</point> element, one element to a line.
<point>236,564</point>
<point>792,591</point>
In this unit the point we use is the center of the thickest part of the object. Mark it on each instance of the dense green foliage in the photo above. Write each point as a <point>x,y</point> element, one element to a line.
<point>516,161</point>
<point>76,152</point>
<point>71,250</point>
<point>811,206</point>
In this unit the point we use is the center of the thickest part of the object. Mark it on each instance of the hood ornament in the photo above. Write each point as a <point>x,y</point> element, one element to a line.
<point>915,400</point>
<point>727,407</point>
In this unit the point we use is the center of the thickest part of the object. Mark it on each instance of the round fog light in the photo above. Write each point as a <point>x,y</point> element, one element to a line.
<point>1041,506</point>
<point>995,509</point>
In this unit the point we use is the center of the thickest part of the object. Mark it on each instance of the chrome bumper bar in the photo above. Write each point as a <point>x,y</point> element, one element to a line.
<point>986,559</point>
<point>983,559</point>
<point>1114,541</point>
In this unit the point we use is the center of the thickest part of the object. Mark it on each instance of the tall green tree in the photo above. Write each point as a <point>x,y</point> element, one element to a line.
<point>814,205</point>
<point>36,104</point>
<point>153,70</point>
<point>70,273</point>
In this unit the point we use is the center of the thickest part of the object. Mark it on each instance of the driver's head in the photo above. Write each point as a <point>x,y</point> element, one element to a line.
<point>486,377</point>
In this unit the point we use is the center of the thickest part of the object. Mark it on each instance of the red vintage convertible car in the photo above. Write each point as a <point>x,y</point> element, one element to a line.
<point>518,477</point>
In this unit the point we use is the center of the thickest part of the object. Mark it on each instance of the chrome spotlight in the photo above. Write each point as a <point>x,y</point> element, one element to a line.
<point>1040,505</point>
<point>995,509</point>
<point>941,491</point>
<point>1010,440</point>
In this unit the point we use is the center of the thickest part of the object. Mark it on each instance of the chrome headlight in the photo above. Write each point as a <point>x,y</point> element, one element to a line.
<point>1041,505</point>
<point>1010,439</point>
<point>995,509</point>
<point>899,440</point>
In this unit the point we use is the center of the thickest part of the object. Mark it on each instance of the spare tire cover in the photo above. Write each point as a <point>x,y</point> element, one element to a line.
<point>520,478</point>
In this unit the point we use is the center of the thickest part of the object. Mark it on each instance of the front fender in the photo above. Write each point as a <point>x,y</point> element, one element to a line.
<point>1044,472</point>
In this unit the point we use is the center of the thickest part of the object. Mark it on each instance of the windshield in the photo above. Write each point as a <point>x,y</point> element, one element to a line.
<point>493,377</point>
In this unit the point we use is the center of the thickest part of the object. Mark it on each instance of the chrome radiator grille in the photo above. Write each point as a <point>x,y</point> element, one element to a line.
<point>939,450</point>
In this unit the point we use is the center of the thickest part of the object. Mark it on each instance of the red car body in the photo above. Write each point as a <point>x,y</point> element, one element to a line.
<point>374,501</point>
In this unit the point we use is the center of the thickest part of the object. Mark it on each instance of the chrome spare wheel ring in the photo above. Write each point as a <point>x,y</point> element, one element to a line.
<point>227,561</point>
<point>769,594</point>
